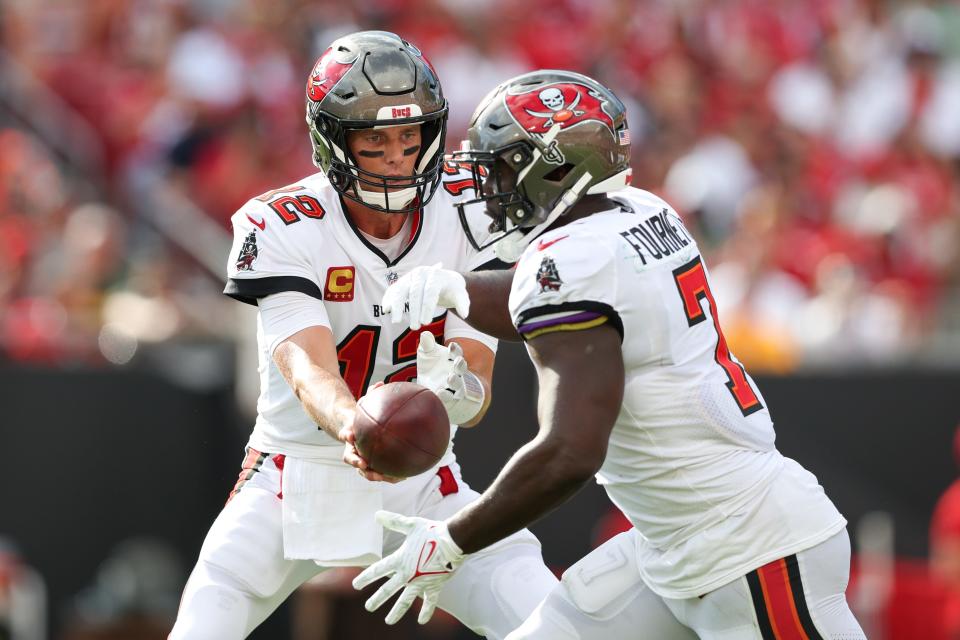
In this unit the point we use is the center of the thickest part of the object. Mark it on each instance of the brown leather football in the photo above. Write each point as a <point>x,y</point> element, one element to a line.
<point>402,429</point>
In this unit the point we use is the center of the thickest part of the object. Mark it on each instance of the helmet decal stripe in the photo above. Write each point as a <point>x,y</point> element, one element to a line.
<point>325,75</point>
<point>429,153</point>
<point>560,103</point>
<point>547,140</point>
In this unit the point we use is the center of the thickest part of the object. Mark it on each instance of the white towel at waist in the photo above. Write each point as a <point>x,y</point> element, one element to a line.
<point>328,513</point>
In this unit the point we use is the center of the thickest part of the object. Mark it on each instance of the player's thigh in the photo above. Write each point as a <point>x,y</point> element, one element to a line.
<point>246,539</point>
<point>217,606</point>
<point>241,576</point>
<point>798,596</point>
<point>495,589</point>
<point>603,597</point>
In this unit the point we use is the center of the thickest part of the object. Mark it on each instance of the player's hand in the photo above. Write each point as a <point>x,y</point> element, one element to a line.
<point>421,566</point>
<point>351,455</point>
<point>424,289</point>
<point>444,371</point>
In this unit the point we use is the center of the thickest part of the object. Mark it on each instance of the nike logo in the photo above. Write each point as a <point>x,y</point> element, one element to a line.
<point>262,224</point>
<point>433,549</point>
<point>543,245</point>
<point>419,572</point>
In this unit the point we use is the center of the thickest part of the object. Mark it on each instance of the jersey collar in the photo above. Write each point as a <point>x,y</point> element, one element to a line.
<point>415,230</point>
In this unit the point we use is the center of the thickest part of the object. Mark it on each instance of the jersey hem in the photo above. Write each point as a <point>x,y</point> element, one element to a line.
<point>744,569</point>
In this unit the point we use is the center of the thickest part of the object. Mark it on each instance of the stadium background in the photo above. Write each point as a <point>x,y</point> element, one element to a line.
<point>813,146</point>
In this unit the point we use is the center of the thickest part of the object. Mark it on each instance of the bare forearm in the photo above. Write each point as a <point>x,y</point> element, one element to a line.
<point>328,402</point>
<point>578,404</point>
<point>326,399</point>
<point>489,292</point>
<point>536,480</point>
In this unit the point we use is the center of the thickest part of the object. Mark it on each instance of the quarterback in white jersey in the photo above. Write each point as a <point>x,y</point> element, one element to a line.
<point>638,388</point>
<point>316,257</point>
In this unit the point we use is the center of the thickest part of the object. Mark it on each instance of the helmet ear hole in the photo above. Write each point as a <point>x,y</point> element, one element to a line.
<point>558,174</point>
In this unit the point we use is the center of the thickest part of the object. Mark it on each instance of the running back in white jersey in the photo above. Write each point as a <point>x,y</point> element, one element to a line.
<point>298,238</point>
<point>693,445</point>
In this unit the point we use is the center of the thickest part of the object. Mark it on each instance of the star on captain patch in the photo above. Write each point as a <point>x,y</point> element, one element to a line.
<point>547,276</point>
<point>248,253</point>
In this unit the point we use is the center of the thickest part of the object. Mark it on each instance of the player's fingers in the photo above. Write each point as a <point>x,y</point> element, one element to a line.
<point>428,343</point>
<point>446,397</point>
<point>461,304</point>
<point>376,476</point>
<point>426,611</point>
<point>394,299</point>
<point>456,351</point>
<point>430,298</point>
<point>384,593</point>
<point>401,605</point>
<point>373,573</point>
<point>454,385</point>
<point>395,521</point>
<point>415,294</point>
<point>353,458</point>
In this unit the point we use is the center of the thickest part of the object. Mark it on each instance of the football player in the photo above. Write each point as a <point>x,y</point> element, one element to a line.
<point>316,257</point>
<point>638,388</point>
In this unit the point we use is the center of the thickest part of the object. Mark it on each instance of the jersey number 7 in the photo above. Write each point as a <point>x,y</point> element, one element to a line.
<point>692,284</point>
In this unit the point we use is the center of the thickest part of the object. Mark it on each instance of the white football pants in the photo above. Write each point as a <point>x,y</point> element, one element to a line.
<point>241,576</point>
<point>603,597</point>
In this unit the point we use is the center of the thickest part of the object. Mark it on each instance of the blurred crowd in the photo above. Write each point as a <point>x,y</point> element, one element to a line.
<point>813,146</point>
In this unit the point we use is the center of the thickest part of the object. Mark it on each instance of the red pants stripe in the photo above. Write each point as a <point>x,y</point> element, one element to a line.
<point>779,601</point>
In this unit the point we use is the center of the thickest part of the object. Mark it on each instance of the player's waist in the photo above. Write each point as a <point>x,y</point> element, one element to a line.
<point>299,438</point>
<point>311,443</point>
<point>793,514</point>
<point>674,507</point>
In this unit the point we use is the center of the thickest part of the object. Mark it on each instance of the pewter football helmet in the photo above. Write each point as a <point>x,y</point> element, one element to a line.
<point>376,79</point>
<point>536,145</point>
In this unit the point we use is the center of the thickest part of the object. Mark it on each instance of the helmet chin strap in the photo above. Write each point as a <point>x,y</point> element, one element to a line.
<point>398,199</point>
<point>512,246</point>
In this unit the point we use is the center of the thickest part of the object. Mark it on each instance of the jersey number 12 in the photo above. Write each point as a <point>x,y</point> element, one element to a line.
<point>358,351</point>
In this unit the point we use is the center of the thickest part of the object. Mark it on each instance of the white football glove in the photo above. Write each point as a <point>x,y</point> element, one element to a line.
<point>421,566</point>
<point>444,371</point>
<point>424,289</point>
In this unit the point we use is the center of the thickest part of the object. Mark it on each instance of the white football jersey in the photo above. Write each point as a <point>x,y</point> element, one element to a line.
<point>298,238</point>
<point>691,460</point>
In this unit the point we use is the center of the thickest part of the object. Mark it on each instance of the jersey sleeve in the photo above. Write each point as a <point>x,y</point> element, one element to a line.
<point>564,282</point>
<point>266,258</point>
<point>284,314</point>
<point>455,327</point>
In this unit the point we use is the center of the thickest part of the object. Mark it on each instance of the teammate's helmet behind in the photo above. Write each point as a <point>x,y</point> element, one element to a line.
<point>540,142</point>
<point>376,79</point>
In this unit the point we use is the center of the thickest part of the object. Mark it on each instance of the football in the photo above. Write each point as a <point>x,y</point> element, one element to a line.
<point>401,429</point>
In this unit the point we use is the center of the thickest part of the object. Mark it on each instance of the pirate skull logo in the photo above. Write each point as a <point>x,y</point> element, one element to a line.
<point>552,98</point>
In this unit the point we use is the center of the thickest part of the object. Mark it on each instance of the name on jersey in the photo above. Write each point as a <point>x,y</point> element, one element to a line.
<point>339,287</point>
<point>379,311</point>
<point>656,237</point>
